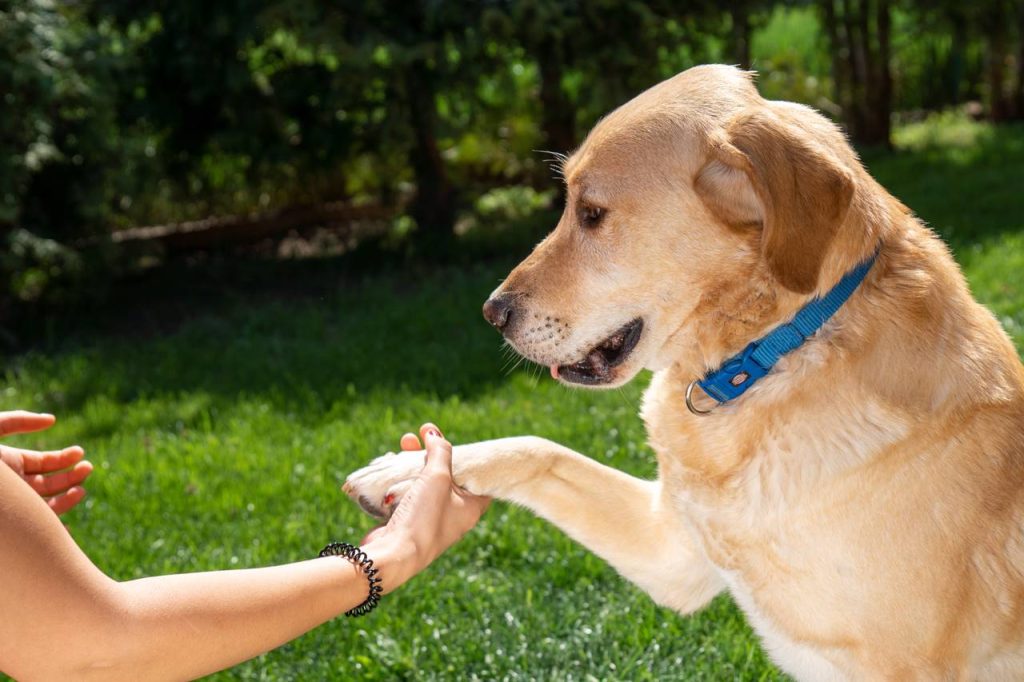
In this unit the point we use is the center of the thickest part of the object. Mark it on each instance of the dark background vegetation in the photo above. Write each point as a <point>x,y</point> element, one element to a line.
<point>139,134</point>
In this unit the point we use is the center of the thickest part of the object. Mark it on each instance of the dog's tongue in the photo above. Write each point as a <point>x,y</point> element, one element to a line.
<point>554,371</point>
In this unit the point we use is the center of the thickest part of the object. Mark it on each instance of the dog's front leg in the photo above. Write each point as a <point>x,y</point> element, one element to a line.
<point>626,521</point>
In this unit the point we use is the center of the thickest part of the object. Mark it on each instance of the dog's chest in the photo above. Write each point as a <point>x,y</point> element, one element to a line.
<point>763,566</point>
<point>785,597</point>
<point>762,557</point>
<point>762,505</point>
<point>803,661</point>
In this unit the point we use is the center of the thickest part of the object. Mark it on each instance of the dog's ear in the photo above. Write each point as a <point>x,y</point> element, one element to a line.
<point>765,171</point>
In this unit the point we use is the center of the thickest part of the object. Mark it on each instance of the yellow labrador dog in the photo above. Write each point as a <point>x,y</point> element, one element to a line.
<point>863,502</point>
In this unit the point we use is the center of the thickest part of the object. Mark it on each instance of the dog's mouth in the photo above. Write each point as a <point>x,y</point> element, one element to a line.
<point>596,366</point>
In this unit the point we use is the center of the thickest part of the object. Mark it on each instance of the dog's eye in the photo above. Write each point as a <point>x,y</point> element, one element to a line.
<point>590,216</point>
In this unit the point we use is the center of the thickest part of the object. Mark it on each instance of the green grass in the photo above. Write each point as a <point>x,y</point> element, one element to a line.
<point>224,414</point>
<point>963,178</point>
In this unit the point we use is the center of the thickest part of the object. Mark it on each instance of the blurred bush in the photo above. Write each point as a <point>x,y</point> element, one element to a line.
<point>58,146</point>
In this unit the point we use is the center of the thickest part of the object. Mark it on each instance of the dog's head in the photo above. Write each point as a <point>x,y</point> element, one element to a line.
<point>697,215</point>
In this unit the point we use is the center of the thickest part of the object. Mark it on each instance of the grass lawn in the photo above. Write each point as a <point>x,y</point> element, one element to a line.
<point>221,437</point>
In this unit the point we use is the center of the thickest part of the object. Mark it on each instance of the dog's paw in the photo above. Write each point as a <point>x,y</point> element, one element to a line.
<point>379,486</point>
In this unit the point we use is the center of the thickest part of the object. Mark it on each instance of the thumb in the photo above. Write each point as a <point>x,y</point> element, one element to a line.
<point>439,453</point>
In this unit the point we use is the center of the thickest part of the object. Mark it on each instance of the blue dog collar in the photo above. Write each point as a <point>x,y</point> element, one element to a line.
<point>742,370</point>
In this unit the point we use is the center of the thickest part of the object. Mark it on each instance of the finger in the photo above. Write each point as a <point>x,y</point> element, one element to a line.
<point>55,484</point>
<point>439,453</point>
<point>426,428</point>
<point>20,421</point>
<point>55,460</point>
<point>410,442</point>
<point>64,502</point>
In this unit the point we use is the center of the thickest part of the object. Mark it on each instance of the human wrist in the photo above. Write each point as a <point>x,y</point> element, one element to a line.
<point>396,560</point>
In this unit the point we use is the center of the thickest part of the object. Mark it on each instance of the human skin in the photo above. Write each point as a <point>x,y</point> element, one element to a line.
<point>65,619</point>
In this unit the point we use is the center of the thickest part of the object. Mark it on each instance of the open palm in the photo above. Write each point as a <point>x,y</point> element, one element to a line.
<point>56,475</point>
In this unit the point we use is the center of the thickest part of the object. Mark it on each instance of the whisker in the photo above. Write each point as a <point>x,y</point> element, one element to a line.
<point>556,163</point>
<point>558,155</point>
<point>515,362</point>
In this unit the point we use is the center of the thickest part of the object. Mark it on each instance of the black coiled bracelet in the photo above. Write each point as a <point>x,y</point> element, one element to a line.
<point>360,559</point>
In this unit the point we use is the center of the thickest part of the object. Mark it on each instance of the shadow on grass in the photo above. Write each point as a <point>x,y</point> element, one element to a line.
<point>961,178</point>
<point>306,338</point>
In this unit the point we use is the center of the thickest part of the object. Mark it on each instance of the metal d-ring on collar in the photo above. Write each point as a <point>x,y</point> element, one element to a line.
<point>689,400</point>
<point>742,370</point>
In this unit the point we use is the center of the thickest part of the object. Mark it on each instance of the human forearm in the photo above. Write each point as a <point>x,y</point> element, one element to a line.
<point>188,625</point>
<point>64,619</point>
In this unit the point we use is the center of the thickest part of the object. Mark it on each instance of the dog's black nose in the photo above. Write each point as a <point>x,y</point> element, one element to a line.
<point>498,311</point>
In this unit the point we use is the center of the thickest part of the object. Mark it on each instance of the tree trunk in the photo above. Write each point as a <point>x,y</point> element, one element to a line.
<point>558,117</point>
<point>957,55</point>
<point>881,109</point>
<point>994,26</point>
<point>995,54</point>
<point>854,54</point>
<point>1018,87</point>
<point>859,33</point>
<point>433,207</point>
<point>740,16</point>
<point>837,41</point>
<point>222,232</point>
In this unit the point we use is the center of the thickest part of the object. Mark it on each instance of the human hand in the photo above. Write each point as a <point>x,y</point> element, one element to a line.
<point>432,515</point>
<point>56,475</point>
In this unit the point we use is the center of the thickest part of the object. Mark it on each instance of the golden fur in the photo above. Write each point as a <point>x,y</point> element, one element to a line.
<point>864,502</point>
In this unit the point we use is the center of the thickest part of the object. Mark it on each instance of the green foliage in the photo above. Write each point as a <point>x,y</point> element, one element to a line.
<point>506,206</point>
<point>36,264</point>
<point>57,168</point>
<point>56,148</point>
<point>128,113</point>
<point>28,75</point>
<point>792,59</point>
<point>221,439</point>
